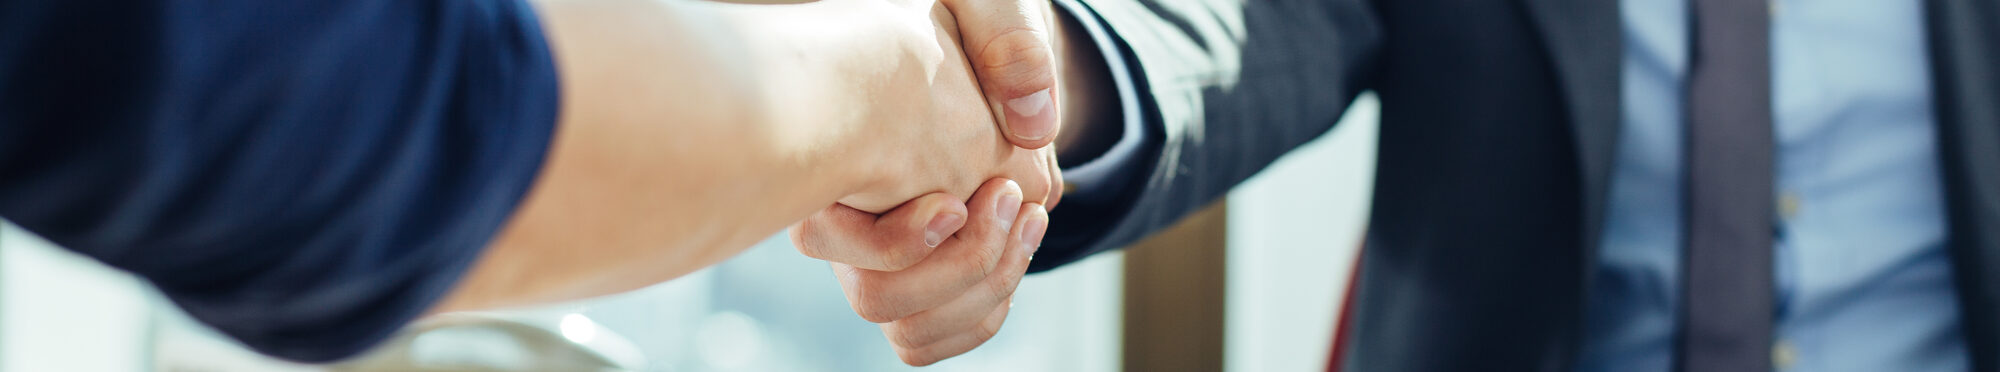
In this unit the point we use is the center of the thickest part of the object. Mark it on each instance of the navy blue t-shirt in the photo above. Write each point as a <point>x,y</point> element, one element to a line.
<point>304,175</point>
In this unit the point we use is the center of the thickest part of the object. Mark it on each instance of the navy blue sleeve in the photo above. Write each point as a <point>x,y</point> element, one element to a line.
<point>304,175</point>
<point>1102,190</point>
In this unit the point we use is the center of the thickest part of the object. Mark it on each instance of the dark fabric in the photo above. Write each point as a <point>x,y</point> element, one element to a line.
<point>1104,188</point>
<point>1965,55</point>
<point>1726,309</point>
<point>1174,89</point>
<point>1499,123</point>
<point>305,176</point>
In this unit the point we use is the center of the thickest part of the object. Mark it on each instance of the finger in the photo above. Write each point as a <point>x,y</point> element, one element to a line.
<point>932,325</point>
<point>1056,185</point>
<point>893,241</point>
<point>1007,42</point>
<point>960,343</point>
<point>960,263</point>
<point>1031,169</point>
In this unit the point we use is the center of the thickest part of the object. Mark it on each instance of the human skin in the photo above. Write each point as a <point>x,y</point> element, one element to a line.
<point>932,305</point>
<point>690,130</point>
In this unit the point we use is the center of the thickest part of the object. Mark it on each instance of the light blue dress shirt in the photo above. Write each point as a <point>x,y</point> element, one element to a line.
<point>1864,282</point>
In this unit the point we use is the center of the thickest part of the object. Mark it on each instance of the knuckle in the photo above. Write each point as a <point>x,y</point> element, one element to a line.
<point>914,358</point>
<point>856,251</point>
<point>804,239</point>
<point>811,251</point>
<point>1037,189</point>
<point>817,253</point>
<point>871,303</point>
<point>985,331</point>
<point>874,314</point>
<point>981,259</point>
<point>902,256</point>
<point>1020,60</point>
<point>904,336</point>
<point>1033,173</point>
<point>1005,285</point>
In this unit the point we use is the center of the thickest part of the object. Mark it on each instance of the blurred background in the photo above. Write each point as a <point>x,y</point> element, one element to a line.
<point>1252,284</point>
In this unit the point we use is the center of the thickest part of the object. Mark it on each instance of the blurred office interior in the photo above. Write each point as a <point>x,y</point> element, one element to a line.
<point>1251,285</point>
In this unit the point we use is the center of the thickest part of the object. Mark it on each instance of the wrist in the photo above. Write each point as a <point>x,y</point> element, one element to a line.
<point>821,87</point>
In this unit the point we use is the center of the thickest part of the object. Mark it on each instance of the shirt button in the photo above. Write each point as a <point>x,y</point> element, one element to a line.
<point>1783,355</point>
<point>1788,206</point>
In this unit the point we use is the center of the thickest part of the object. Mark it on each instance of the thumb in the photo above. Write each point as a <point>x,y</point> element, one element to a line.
<point>1007,43</point>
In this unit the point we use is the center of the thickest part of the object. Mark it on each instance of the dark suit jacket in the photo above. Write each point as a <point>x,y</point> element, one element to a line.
<point>1499,126</point>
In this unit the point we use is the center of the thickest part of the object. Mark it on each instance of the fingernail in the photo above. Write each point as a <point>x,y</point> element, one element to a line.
<point>1008,207</point>
<point>940,226</point>
<point>1031,234</point>
<point>1026,115</point>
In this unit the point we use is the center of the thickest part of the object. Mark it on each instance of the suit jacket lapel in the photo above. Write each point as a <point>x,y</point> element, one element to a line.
<point>1965,45</point>
<point>1583,40</point>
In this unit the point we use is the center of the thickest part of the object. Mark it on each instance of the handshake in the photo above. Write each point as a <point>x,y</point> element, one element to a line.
<point>935,268</point>
<point>911,143</point>
<point>342,168</point>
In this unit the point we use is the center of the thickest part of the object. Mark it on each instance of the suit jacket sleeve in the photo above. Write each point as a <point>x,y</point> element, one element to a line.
<point>1225,88</point>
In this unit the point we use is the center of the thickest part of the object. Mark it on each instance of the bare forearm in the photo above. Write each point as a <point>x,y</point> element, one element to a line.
<point>669,154</point>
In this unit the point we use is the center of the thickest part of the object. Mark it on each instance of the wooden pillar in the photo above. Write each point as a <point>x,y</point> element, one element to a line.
<point>1174,296</point>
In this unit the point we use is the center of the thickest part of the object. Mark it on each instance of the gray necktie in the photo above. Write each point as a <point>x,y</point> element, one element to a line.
<point>1727,307</point>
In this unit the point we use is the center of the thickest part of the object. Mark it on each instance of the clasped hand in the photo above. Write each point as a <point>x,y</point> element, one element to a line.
<point>938,271</point>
